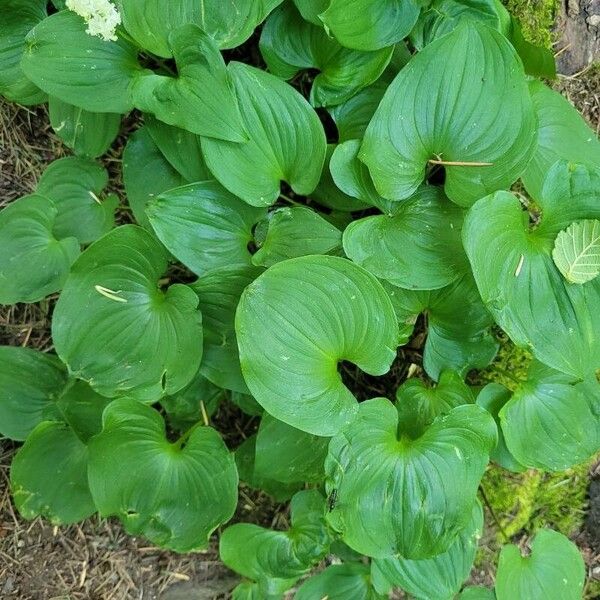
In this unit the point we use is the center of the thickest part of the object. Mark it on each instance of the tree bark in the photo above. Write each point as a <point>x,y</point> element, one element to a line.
<point>578,24</point>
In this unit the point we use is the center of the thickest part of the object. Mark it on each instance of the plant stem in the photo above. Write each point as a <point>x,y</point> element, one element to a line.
<point>288,199</point>
<point>493,513</point>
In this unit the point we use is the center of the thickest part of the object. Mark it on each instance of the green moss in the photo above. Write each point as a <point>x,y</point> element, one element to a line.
<point>522,503</point>
<point>531,500</point>
<point>536,17</point>
<point>510,365</point>
<point>526,502</point>
<point>511,497</point>
<point>592,590</point>
<point>561,500</point>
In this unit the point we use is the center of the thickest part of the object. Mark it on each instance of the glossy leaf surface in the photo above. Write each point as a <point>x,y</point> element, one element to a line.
<point>30,383</point>
<point>304,316</point>
<point>87,133</point>
<point>457,119</point>
<point>201,98</point>
<point>493,397</point>
<point>146,173</point>
<point>563,134</point>
<point>551,423</point>
<point>49,475</point>
<point>290,44</point>
<point>287,454</point>
<point>554,570</point>
<point>287,141</point>
<point>34,262</point>
<point>112,317</point>
<point>180,147</point>
<point>443,16</point>
<point>458,336</point>
<point>219,294</point>
<point>294,232</point>
<point>75,185</point>
<point>175,494</point>
<point>281,556</point>
<point>17,19</point>
<point>441,576</point>
<point>340,582</point>
<point>419,405</point>
<point>205,226</point>
<point>518,280</point>
<point>62,59</point>
<point>368,24</point>
<point>402,251</point>
<point>396,494</point>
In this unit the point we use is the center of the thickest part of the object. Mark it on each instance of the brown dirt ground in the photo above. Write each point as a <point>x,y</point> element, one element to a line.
<point>96,560</point>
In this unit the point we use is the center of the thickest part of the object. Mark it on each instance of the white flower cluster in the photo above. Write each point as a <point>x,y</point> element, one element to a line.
<point>101,16</point>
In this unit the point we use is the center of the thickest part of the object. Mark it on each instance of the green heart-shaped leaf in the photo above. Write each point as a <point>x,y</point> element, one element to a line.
<point>287,454</point>
<point>116,329</point>
<point>17,19</point>
<point>74,185</point>
<point>205,226</point>
<point>180,147</point>
<point>458,336</point>
<point>280,557</point>
<point>88,134</point>
<point>577,251</point>
<point>554,571</point>
<point>190,405</point>
<point>228,22</point>
<point>353,178</point>
<point>353,116</point>
<point>86,71</point>
<point>232,22</point>
<point>290,44</point>
<point>30,383</point>
<point>201,98</point>
<point>294,232</point>
<point>296,322</point>
<point>563,134</point>
<point>400,250</point>
<point>150,22</point>
<point>518,280</point>
<point>370,24</point>
<point>440,577</point>
<point>175,494</point>
<point>443,16</point>
<point>340,582</point>
<point>551,424</point>
<point>287,141</point>
<point>34,262</point>
<point>219,293</point>
<point>146,173</point>
<point>398,495</point>
<point>49,472</point>
<point>419,405</point>
<point>493,397</point>
<point>472,106</point>
<point>49,475</point>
